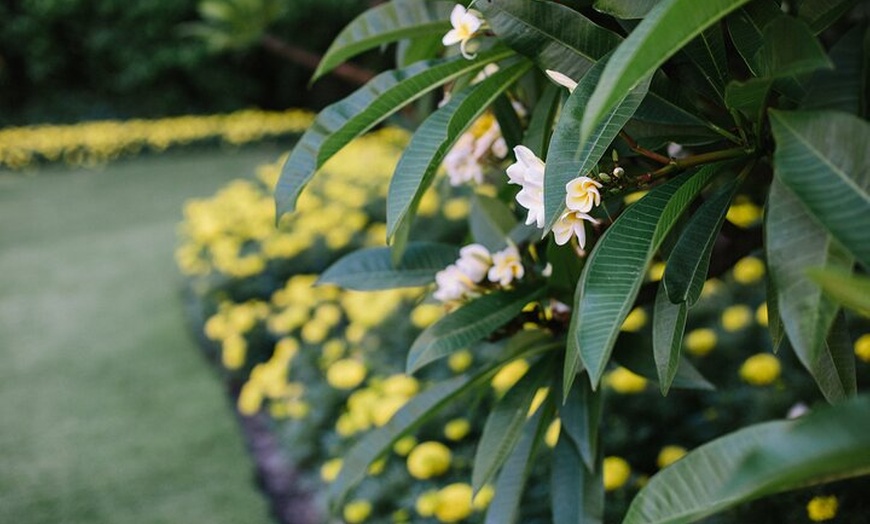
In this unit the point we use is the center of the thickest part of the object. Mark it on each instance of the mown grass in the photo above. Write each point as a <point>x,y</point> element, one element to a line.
<point>108,414</point>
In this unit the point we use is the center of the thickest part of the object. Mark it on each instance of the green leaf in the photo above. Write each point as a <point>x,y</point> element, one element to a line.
<point>689,261</point>
<point>383,24</point>
<point>554,36</point>
<point>616,268</point>
<point>669,324</point>
<point>422,48</point>
<point>537,136</point>
<point>490,222</point>
<point>468,324</point>
<point>795,243</point>
<point>841,88</point>
<point>789,49</point>
<point>822,156</point>
<point>577,491</point>
<point>707,52</point>
<point>837,362</point>
<point>505,506</point>
<point>852,291</point>
<point>581,419</point>
<point>664,31</point>
<point>774,321</point>
<point>347,119</point>
<point>372,268</point>
<point>633,352</point>
<point>820,14</point>
<point>625,9</point>
<point>434,138</point>
<point>508,121</point>
<point>504,425</point>
<point>750,97</point>
<point>569,157</point>
<point>827,444</point>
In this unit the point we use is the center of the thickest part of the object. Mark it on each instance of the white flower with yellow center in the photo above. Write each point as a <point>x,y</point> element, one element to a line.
<point>528,172</point>
<point>582,194</point>
<point>474,261</point>
<point>453,284</point>
<point>461,165</point>
<point>465,25</point>
<point>562,79</point>
<point>572,223</point>
<point>506,266</point>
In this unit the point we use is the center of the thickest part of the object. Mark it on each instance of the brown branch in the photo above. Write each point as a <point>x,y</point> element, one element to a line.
<point>295,54</point>
<point>652,155</point>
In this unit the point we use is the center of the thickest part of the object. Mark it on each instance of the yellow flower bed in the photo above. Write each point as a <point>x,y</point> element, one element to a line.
<point>91,143</point>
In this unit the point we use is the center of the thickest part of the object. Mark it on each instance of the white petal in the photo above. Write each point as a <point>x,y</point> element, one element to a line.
<point>456,15</point>
<point>452,37</point>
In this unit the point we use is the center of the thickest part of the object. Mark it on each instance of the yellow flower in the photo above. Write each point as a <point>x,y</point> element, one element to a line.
<point>346,374</point>
<point>250,399</point>
<point>743,213</point>
<point>582,194</point>
<point>820,509</point>
<point>377,467</point>
<point>400,385</point>
<point>457,429</point>
<point>748,270</point>
<point>429,459</point>
<point>539,398</point>
<point>465,23</point>
<point>456,209</point>
<point>426,503</point>
<point>616,473</point>
<point>551,437</point>
<point>670,454</point>
<point>509,375</point>
<point>761,314</point>
<point>483,498</point>
<point>635,320</point>
<point>454,502</point>
<point>711,287</point>
<point>233,352</point>
<point>862,347</point>
<point>656,271</point>
<point>736,317</point>
<point>385,408</point>
<point>357,511</point>
<point>760,370</point>
<point>330,469</point>
<point>624,381</point>
<point>425,315</point>
<point>460,361</point>
<point>700,342</point>
<point>631,198</point>
<point>404,445</point>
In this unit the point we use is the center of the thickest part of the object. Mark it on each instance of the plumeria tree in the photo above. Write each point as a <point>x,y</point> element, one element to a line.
<point>598,138</point>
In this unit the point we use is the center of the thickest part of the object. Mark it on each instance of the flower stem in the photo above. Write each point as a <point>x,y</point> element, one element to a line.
<point>695,160</point>
<point>652,155</point>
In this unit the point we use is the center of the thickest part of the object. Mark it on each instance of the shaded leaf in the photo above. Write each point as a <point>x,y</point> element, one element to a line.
<point>707,52</point>
<point>750,97</point>
<point>790,49</point>
<point>852,291</point>
<point>807,314</point>
<point>759,460</point>
<point>372,268</point>
<point>841,88</point>
<point>490,222</point>
<point>822,156</point>
<point>669,324</point>
<point>577,491</point>
<point>347,119</point>
<point>537,136</point>
<point>508,121</point>
<point>633,352</point>
<point>616,267</point>
<point>820,14</point>
<point>581,419</point>
<point>664,31</point>
<point>468,324</point>
<point>384,24</point>
<point>625,9</point>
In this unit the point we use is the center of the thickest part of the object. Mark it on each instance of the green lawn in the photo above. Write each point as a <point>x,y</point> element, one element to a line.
<point>109,414</point>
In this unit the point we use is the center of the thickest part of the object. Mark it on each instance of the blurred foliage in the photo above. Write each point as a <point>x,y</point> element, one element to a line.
<point>68,60</point>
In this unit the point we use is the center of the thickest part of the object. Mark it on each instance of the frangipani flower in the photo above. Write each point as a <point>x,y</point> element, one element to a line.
<point>506,266</point>
<point>465,161</point>
<point>528,172</point>
<point>582,194</point>
<point>465,24</point>
<point>474,261</point>
<point>453,284</point>
<point>572,223</point>
<point>562,79</point>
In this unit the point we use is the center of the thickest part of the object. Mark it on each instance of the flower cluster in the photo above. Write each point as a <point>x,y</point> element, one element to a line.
<point>92,143</point>
<point>475,267</point>
<point>466,160</point>
<point>466,23</point>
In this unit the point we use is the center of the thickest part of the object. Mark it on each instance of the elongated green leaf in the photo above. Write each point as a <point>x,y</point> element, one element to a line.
<point>852,291</point>
<point>707,52</point>
<point>841,88</point>
<point>807,314</point>
<point>577,491</point>
<point>345,120</point>
<point>508,121</point>
<point>669,324</point>
<point>505,506</point>
<point>625,9</point>
<point>421,48</point>
<point>468,324</point>
<point>774,321</point>
<point>504,425</point>
<point>689,261</point>
<point>581,419</point>
<point>384,24</point>
<point>822,156</point>
<point>615,270</point>
<point>837,362</point>
<point>372,268</point>
<point>633,352</point>
<point>490,222</point>
<point>434,138</point>
<point>570,156</point>
<point>758,460</point>
<point>664,31</point>
<point>746,27</point>
<point>790,49</point>
<point>554,36</point>
<point>537,136</point>
<point>820,14</point>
